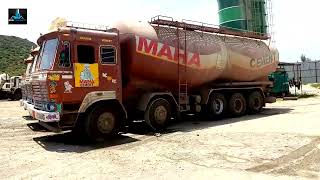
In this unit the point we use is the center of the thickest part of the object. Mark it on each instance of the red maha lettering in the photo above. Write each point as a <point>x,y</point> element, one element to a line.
<point>179,55</point>
<point>151,47</point>
<point>166,52</point>
<point>144,46</point>
<point>195,60</point>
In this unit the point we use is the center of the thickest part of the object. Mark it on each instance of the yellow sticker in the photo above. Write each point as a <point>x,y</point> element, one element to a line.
<point>54,77</point>
<point>86,75</point>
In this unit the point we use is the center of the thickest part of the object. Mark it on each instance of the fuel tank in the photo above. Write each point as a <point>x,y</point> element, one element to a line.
<point>158,56</point>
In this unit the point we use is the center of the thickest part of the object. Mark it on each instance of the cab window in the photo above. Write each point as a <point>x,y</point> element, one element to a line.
<point>108,55</point>
<point>48,53</point>
<point>64,58</point>
<point>85,54</point>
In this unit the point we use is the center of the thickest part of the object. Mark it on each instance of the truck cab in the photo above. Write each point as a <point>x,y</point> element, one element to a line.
<point>26,78</point>
<point>76,68</point>
<point>15,92</point>
<point>4,85</point>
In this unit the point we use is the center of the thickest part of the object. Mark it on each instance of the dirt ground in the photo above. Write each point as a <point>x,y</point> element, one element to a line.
<point>283,142</point>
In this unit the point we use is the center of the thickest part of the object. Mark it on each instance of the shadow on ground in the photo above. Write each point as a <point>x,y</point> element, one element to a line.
<point>67,142</point>
<point>35,126</point>
<point>192,122</point>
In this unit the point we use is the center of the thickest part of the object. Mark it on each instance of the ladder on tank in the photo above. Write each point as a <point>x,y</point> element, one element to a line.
<point>183,83</point>
<point>183,96</point>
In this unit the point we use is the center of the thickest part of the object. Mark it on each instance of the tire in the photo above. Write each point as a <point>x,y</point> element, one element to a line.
<point>217,106</point>
<point>237,105</point>
<point>17,95</point>
<point>101,123</point>
<point>255,102</point>
<point>158,114</point>
<point>11,97</point>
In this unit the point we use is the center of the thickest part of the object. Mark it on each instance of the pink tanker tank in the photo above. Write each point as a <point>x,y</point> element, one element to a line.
<point>151,53</point>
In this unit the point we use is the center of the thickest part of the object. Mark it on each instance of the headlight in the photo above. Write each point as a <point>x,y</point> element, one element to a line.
<point>50,107</point>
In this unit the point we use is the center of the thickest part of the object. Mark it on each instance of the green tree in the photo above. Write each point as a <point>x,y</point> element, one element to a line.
<point>13,51</point>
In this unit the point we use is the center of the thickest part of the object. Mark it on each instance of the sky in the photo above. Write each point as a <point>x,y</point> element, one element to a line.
<point>295,26</point>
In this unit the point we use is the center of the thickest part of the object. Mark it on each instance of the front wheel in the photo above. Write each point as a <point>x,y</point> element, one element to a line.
<point>101,123</point>
<point>158,114</point>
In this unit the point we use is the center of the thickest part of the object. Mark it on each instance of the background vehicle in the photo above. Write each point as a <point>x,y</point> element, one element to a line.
<point>26,87</point>
<point>15,92</point>
<point>282,83</point>
<point>4,85</point>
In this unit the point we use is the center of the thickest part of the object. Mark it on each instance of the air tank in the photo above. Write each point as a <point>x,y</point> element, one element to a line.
<point>157,57</point>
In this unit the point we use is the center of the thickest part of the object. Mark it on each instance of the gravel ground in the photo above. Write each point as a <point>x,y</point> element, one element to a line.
<point>283,142</point>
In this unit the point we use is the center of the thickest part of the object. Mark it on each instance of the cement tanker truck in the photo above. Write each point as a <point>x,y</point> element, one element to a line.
<point>96,80</point>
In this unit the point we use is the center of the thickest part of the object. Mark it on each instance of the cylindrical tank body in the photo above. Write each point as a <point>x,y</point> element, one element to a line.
<point>150,57</point>
<point>243,15</point>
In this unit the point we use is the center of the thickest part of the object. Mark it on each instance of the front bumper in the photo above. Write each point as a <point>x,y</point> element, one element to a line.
<point>43,116</point>
<point>24,104</point>
<point>27,106</point>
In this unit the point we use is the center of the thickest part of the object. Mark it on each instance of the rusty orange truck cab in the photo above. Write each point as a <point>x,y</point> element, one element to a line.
<point>76,68</point>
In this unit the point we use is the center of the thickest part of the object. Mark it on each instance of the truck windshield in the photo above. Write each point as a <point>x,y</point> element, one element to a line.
<point>33,65</point>
<point>28,69</point>
<point>48,54</point>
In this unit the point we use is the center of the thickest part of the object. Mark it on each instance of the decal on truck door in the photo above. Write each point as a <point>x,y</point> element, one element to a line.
<point>67,87</point>
<point>86,75</point>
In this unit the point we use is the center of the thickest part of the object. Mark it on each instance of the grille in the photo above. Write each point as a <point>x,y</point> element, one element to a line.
<point>29,93</point>
<point>40,94</point>
<point>39,105</point>
<point>24,92</point>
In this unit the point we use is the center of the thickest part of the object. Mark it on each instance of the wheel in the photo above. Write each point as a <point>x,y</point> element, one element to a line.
<point>237,105</point>
<point>158,114</point>
<point>217,106</point>
<point>11,97</point>
<point>101,123</point>
<point>17,95</point>
<point>255,102</point>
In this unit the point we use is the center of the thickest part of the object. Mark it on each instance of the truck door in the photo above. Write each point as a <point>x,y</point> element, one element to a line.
<point>109,67</point>
<point>86,72</point>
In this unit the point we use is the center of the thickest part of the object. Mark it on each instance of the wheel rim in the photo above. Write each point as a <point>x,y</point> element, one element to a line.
<point>106,122</point>
<point>238,105</point>
<point>218,106</point>
<point>160,114</point>
<point>256,103</point>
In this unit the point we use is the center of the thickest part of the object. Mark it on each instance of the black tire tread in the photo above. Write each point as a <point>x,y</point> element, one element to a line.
<point>231,108</point>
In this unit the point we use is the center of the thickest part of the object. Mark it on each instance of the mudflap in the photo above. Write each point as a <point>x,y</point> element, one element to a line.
<point>270,99</point>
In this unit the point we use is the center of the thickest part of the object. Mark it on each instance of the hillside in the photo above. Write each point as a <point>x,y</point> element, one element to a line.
<point>13,50</point>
